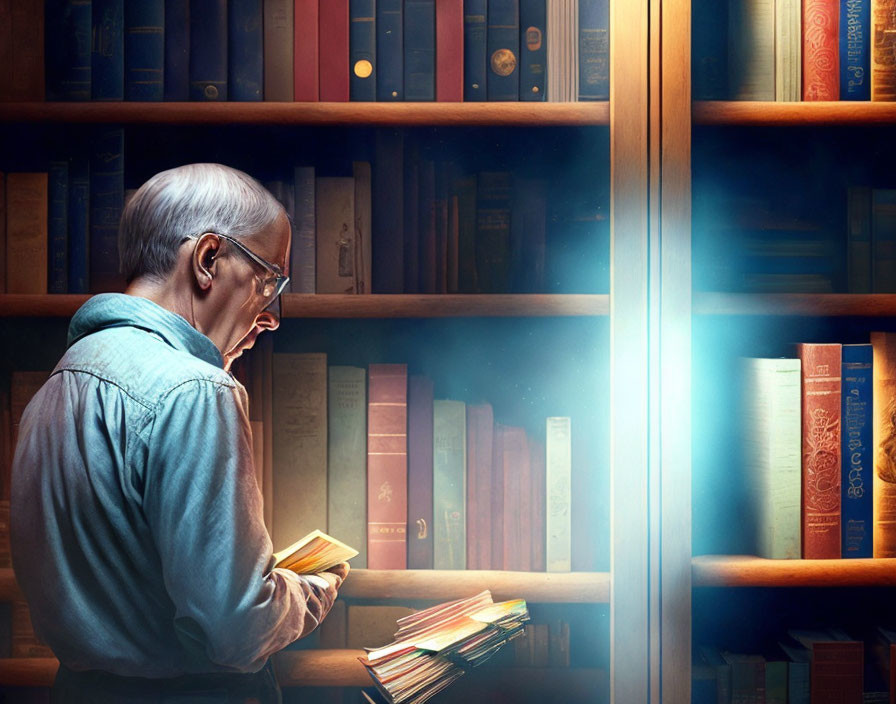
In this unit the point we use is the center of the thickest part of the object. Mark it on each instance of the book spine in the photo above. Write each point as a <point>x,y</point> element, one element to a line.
<point>306,67</point>
<point>68,49</point>
<point>821,431</point>
<point>517,509</point>
<point>503,47</point>
<point>427,228</point>
<point>388,212</point>
<point>107,50</point>
<point>751,49</point>
<point>303,255</point>
<point>363,225</point>
<point>144,50</point>
<point>475,50</point>
<point>466,236</point>
<point>450,51</point>
<point>858,253</point>
<point>449,445</point>
<point>856,503</point>
<point>883,376</point>
<point>411,221</point>
<point>493,231</point>
<point>855,54</point>
<point>837,671</point>
<point>709,63</point>
<point>57,227</point>
<point>362,50</point>
<point>883,47</point>
<point>22,49</point>
<point>279,33</point>
<point>335,246</point>
<point>334,52</point>
<point>2,239</point>
<point>533,49</point>
<point>497,498</point>
<point>208,50</point>
<point>390,50</point>
<point>78,224</point>
<point>299,446</point>
<point>387,469</point>
<point>106,203</point>
<point>480,434</point>
<point>419,50</point>
<point>883,240</point>
<point>26,232</point>
<point>788,43</point>
<point>528,235</point>
<point>420,473</point>
<point>177,50</point>
<point>821,66</point>
<point>441,221</point>
<point>558,478</point>
<point>538,480</point>
<point>245,50</point>
<point>347,458</point>
<point>594,50</point>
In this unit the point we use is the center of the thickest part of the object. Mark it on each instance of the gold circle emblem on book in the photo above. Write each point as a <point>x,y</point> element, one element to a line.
<point>363,68</point>
<point>533,39</point>
<point>211,92</point>
<point>503,62</point>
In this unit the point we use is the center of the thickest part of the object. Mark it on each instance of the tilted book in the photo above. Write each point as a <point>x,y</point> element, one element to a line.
<point>884,402</point>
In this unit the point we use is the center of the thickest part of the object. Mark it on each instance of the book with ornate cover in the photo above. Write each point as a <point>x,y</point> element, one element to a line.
<point>144,50</point>
<point>558,469</point>
<point>449,466</point>
<point>333,19</point>
<point>594,50</point>
<point>475,53</point>
<point>751,49</point>
<point>390,50</point>
<point>883,376</point>
<point>480,523</point>
<point>855,50</point>
<point>857,461</point>
<point>278,50</point>
<point>208,50</point>
<point>306,68</point>
<point>883,47</point>
<point>450,51</point>
<point>420,458</point>
<point>821,388</point>
<point>387,469</point>
<point>821,55</point>
<point>503,47</point>
<point>533,49</point>
<point>245,50</point>
<point>362,50</point>
<point>316,552</point>
<point>26,232</point>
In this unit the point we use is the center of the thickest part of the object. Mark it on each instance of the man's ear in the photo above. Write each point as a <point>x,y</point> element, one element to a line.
<point>204,259</point>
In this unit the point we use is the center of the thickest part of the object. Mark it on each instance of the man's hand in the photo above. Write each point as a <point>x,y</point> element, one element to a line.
<point>336,575</point>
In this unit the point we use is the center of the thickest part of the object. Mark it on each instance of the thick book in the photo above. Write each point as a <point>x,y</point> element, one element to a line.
<point>788,51</point>
<point>420,478</point>
<point>144,50</point>
<point>388,212</point>
<point>450,51</point>
<point>480,523</point>
<point>177,50</point>
<point>335,246</point>
<point>821,53</point>
<point>449,495</point>
<point>347,456</point>
<point>387,467</point>
<point>106,203</point>
<point>883,240</point>
<point>278,50</point>
<point>821,388</point>
<point>856,463</point>
<point>419,50</point>
<point>208,50</point>
<point>390,50</point>
<point>883,375</point>
<point>517,500</point>
<point>503,47</point>
<point>334,52</point>
<point>316,552</point>
<point>245,50</point>
<point>107,50</point>
<point>858,240</point>
<point>78,223</point>
<point>299,445</point>
<point>57,227</point>
<point>533,49</point>
<point>306,66</point>
<point>855,50</point>
<point>475,50</point>
<point>362,50</point>
<point>68,49</point>
<point>594,49</point>
<point>772,454</point>
<point>493,201</point>
<point>558,481</point>
<point>26,232</point>
<point>303,254</point>
<point>751,49</point>
<point>361,171</point>
<point>883,47</point>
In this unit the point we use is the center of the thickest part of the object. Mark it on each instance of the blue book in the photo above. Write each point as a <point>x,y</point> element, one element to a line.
<point>420,50</point>
<point>177,50</point>
<point>245,51</point>
<point>594,50</point>
<point>106,203</point>
<point>107,50</point>
<point>533,49</point>
<point>362,50</point>
<point>68,49</point>
<point>208,50</point>
<point>57,227</point>
<point>857,460</point>
<point>503,46</point>
<point>78,223</point>
<point>389,50</point>
<point>475,56</point>
<point>855,50</point>
<point>144,50</point>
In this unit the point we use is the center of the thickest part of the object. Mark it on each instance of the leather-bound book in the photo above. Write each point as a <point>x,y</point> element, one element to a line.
<point>450,51</point>
<point>480,523</point>
<point>334,50</point>
<point>821,56</point>
<point>306,69</point>
<point>420,521</point>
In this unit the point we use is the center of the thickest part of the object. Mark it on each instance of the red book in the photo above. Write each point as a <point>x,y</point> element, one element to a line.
<point>305,56</point>
<point>420,393</point>
<point>334,75</point>
<point>836,672</point>
<point>480,431</point>
<point>821,386</point>
<point>517,501</point>
<point>450,51</point>
<point>387,467</point>
<point>539,509</point>
<point>821,67</point>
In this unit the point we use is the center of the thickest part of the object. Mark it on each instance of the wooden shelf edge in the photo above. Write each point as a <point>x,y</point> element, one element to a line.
<point>312,114</point>
<point>871,305</point>
<point>799,114</point>
<point>751,571</point>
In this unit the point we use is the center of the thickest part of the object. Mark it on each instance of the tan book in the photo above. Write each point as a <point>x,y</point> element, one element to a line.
<point>26,233</point>
<point>788,51</point>
<point>316,552</point>
<point>335,217</point>
<point>278,50</point>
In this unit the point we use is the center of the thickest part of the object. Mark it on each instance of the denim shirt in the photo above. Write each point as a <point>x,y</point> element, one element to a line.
<point>137,530</point>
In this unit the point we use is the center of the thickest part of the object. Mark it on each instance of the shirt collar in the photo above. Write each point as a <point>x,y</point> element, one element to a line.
<point>115,310</point>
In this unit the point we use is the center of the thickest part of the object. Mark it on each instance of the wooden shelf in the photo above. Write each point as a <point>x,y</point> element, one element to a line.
<point>269,113</point>
<point>297,305</point>
<point>871,305</point>
<point>750,571</point>
<point>743,112</point>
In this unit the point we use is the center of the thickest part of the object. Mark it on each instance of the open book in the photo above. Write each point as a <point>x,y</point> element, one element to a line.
<point>316,552</point>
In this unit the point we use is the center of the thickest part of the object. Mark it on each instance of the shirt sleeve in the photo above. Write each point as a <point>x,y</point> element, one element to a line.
<point>205,511</point>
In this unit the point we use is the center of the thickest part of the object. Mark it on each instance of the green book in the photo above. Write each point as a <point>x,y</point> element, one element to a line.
<point>449,456</point>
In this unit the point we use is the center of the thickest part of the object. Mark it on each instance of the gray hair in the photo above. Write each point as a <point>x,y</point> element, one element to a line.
<point>187,201</point>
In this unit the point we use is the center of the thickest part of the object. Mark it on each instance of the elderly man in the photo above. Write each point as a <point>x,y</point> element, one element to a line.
<point>136,521</point>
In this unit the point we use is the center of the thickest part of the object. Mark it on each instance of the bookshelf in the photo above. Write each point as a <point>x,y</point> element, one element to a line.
<point>720,112</point>
<point>752,571</point>
<point>868,305</point>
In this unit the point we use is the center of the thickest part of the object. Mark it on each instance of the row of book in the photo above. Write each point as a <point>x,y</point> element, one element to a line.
<point>791,50</point>
<point>310,50</point>
<point>416,482</point>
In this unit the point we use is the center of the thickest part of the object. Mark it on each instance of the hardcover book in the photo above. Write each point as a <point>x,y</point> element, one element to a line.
<point>420,476</point>
<point>856,484</point>
<point>335,245</point>
<point>68,49</point>
<point>419,50</point>
<point>788,45</point>
<point>537,491</point>
<point>26,232</point>
<point>208,50</point>
<point>245,50</point>
<point>362,50</point>
<point>855,50</point>
<point>144,50</point>
<point>883,47</point>
<point>334,51</point>
<point>503,47</point>
<point>106,203</point>
<point>362,174</point>
<point>558,548</point>
<point>821,56</point>
<point>449,446</point>
<point>751,49</point>
<point>306,45</point>
<point>390,50</point>
<point>177,50</point>
<point>533,49</point>
<point>480,522</point>
<point>303,254</point>
<point>107,50</point>
<point>278,50</point>
<point>517,500</point>
<point>57,227</point>
<point>450,51</point>
<point>594,50</point>
<point>475,51</point>
<point>388,215</point>
<point>883,376</point>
